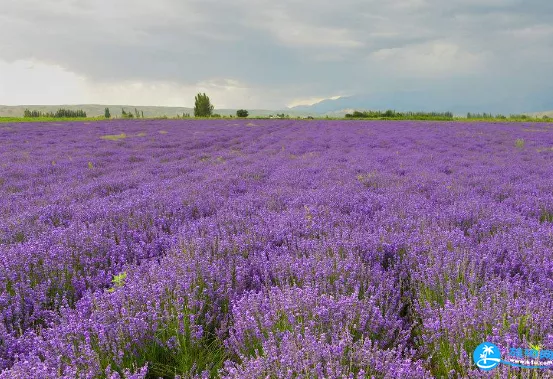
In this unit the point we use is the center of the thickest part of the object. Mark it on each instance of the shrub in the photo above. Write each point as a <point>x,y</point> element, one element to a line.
<point>242,113</point>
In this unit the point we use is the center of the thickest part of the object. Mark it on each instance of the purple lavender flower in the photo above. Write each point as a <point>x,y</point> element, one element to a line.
<point>288,249</point>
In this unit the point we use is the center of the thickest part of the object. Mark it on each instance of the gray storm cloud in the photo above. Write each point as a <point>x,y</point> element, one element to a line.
<point>289,49</point>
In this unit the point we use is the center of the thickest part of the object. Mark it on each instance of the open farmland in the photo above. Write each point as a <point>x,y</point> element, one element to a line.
<point>255,248</point>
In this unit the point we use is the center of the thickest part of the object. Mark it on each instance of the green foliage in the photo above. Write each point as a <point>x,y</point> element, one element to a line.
<point>178,346</point>
<point>29,113</point>
<point>106,113</point>
<point>118,281</point>
<point>60,113</point>
<point>512,117</point>
<point>279,115</point>
<point>242,113</point>
<point>216,115</point>
<point>63,113</point>
<point>519,116</point>
<point>202,106</point>
<point>392,114</point>
<point>483,115</point>
<point>546,216</point>
<point>126,114</point>
<point>46,119</point>
<point>519,143</point>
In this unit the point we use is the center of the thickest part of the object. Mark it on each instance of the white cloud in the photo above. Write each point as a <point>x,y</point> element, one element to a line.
<point>33,82</point>
<point>310,101</point>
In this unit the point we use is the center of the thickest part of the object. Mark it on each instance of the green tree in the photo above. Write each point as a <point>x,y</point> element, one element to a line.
<point>242,113</point>
<point>126,114</point>
<point>106,113</point>
<point>202,106</point>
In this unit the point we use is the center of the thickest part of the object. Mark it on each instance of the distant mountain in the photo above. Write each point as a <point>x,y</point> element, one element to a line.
<point>431,101</point>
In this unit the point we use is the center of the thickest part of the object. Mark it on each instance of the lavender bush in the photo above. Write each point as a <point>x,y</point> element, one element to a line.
<point>285,249</point>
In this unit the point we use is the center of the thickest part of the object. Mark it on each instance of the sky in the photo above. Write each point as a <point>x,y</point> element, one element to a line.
<point>268,54</point>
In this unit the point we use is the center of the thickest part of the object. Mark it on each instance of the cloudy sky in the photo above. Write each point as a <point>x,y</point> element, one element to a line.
<point>269,54</point>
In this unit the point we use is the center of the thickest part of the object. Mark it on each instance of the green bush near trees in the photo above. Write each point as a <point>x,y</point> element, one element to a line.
<point>242,113</point>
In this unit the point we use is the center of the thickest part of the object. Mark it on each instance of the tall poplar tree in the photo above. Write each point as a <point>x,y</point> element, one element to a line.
<point>202,106</point>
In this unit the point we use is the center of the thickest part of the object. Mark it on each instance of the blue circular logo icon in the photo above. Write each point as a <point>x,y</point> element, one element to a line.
<point>487,356</point>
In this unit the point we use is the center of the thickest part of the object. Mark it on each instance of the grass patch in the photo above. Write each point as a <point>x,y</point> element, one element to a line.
<point>48,119</point>
<point>118,281</point>
<point>535,130</point>
<point>114,137</point>
<point>519,143</point>
<point>369,179</point>
<point>546,216</point>
<point>183,343</point>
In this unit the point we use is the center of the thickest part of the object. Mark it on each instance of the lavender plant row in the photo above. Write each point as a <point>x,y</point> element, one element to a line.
<point>285,249</point>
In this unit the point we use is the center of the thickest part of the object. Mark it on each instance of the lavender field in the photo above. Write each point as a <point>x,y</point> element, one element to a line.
<point>264,248</point>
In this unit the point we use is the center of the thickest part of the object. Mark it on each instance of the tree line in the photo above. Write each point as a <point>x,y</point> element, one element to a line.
<point>401,115</point>
<point>124,114</point>
<point>500,116</point>
<point>204,108</point>
<point>60,113</point>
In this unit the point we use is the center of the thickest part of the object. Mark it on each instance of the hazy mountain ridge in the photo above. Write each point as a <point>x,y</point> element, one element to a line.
<point>538,103</point>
